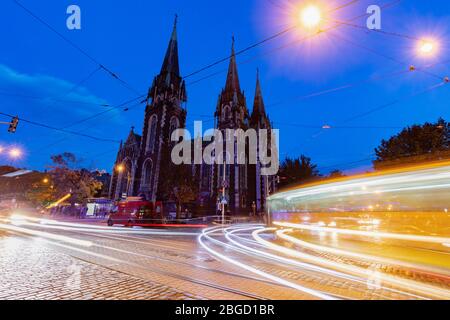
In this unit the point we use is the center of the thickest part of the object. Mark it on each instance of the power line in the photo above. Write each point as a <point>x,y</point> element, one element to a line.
<point>346,164</point>
<point>75,46</point>
<point>257,44</point>
<point>19,95</point>
<point>38,124</point>
<point>384,55</point>
<point>389,33</point>
<point>89,118</point>
<point>307,126</point>
<point>105,111</point>
<point>341,87</point>
<point>240,52</point>
<point>392,103</point>
<point>295,42</point>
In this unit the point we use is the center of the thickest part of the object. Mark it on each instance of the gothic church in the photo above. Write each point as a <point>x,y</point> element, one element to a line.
<point>145,159</point>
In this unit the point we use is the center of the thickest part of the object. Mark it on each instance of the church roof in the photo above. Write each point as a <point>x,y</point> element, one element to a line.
<point>133,139</point>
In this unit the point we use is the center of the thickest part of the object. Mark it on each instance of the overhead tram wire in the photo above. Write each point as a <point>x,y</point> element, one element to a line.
<point>120,106</point>
<point>38,124</point>
<point>257,44</point>
<point>340,166</point>
<point>383,55</point>
<point>196,72</point>
<point>23,96</point>
<point>247,49</point>
<point>295,42</point>
<point>308,126</point>
<point>387,105</point>
<point>141,96</point>
<point>383,106</point>
<point>388,33</point>
<point>87,119</point>
<point>115,76</point>
<point>75,46</point>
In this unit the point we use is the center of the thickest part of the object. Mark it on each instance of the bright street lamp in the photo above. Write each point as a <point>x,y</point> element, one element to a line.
<point>120,168</point>
<point>427,48</point>
<point>15,153</point>
<point>310,16</point>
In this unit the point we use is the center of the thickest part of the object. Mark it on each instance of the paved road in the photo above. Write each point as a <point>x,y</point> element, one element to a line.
<point>68,260</point>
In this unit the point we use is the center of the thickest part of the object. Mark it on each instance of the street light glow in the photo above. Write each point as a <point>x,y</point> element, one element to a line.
<point>427,47</point>
<point>311,16</point>
<point>15,153</point>
<point>120,168</point>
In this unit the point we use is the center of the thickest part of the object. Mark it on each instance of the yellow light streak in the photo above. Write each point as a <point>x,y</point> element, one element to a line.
<point>372,234</point>
<point>55,204</point>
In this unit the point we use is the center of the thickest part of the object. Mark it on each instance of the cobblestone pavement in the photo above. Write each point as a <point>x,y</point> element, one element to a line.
<point>32,271</point>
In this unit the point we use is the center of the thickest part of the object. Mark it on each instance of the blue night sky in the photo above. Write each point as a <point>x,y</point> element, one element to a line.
<point>130,38</point>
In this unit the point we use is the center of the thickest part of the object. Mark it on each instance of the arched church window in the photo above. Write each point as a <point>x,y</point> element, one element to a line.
<point>174,125</point>
<point>153,123</point>
<point>226,113</point>
<point>147,173</point>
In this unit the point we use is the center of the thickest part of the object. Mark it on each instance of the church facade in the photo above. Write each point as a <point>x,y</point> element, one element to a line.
<point>143,161</point>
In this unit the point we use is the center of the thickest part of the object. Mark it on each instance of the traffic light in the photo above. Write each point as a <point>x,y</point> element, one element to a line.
<point>13,125</point>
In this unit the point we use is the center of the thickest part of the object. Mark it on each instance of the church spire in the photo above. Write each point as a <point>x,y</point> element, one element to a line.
<point>259,117</point>
<point>258,105</point>
<point>232,85</point>
<point>171,65</point>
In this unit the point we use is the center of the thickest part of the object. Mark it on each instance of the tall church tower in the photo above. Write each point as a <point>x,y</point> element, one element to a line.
<point>231,113</point>
<point>165,112</point>
<point>260,186</point>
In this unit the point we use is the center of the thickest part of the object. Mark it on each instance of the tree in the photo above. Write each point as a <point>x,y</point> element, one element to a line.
<point>184,188</point>
<point>297,170</point>
<point>430,141</point>
<point>64,179</point>
<point>336,174</point>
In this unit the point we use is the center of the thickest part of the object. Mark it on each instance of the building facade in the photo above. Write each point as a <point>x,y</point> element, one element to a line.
<point>143,162</point>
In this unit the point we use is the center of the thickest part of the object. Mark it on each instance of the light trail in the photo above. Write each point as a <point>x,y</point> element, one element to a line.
<point>372,234</point>
<point>66,226</point>
<point>56,203</point>
<point>421,178</point>
<point>230,232</point>
<point>314,293</point>
<point>282,234</point>
<point>302,265</point>
<point>46,235</point>
<point>398,282</point>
